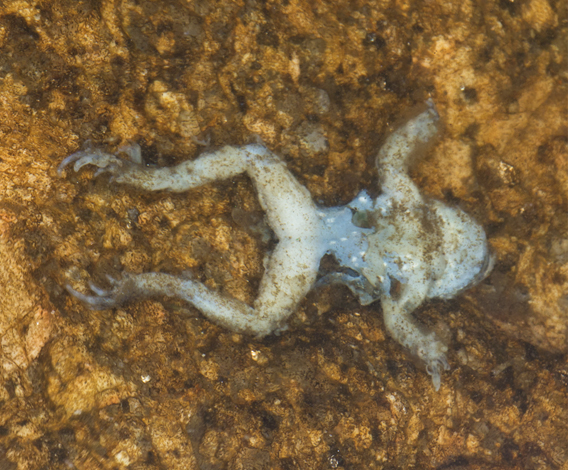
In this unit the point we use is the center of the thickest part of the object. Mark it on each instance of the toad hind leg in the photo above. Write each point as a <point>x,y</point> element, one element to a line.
<point>291,268</point>
<point>225,311</point>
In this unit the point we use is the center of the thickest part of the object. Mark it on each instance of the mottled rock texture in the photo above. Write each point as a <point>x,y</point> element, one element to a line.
<point>155,386</point>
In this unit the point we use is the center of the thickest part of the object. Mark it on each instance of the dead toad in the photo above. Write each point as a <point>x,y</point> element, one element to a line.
<point>401,247</point>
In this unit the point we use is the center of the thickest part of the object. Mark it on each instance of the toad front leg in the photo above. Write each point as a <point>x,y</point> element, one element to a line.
<point>422,248</point>
<point>291,268</point>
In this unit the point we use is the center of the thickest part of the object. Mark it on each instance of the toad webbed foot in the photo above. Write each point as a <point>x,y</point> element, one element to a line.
<point>121,291</point>
<point>106,162</point>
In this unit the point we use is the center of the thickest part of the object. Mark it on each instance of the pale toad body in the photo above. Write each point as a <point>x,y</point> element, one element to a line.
<point>414,249</point>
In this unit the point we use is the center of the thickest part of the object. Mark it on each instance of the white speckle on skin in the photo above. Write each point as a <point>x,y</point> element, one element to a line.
<point>425,249</point>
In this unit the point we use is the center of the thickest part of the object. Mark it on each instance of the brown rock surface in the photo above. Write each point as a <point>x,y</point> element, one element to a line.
<point>154,385</point>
